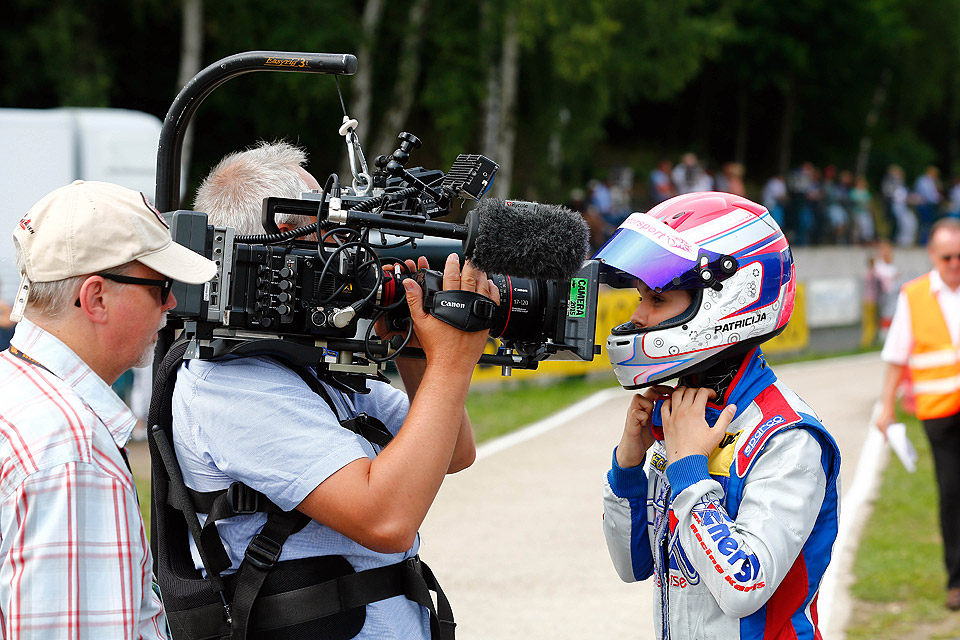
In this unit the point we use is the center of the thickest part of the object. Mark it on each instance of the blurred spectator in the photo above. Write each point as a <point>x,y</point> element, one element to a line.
<point>835,200</point>
<point>953,203</point>
<point>578,200</point>
<point>661,187</point>
<point>600,199</point>
<point>775,198</point>
<point>887,277</point>
<point>892,180</point>
<point>804,193</point>
<point>905,234</point>
<point>597,227</point>
<point>6,324</point>
<point>926,193</point>
<point>690,176</point>
<point>621,191</point>
<point>730,179</point>
<point>860,212</point>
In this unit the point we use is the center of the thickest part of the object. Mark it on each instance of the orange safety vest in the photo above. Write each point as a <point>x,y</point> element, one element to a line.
<point>935,361</point>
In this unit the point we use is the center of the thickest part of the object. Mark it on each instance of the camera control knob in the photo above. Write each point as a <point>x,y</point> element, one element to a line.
<point>286,272</point>
<point>283,309</point>
<point>284,285</point>
<point>283,297</point>
<point>410,139</point>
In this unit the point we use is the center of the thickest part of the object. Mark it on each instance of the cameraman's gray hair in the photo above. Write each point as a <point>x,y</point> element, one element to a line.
<point>49,300</point>
<point>232,194</point>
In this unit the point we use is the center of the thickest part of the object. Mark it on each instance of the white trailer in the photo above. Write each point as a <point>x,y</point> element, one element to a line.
<point>42,149</point>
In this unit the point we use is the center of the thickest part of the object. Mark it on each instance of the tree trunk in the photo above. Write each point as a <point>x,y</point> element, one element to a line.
<point>786,127</point>
<point>490,28</point>
<point>362,81</point>
<point>866,141</point>
<point>743,123</point>
<point>405,81</point>
<point>509,76</point>
<point>191,51</point>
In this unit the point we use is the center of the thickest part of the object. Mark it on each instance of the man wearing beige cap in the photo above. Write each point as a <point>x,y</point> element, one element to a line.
<point>97,262</point>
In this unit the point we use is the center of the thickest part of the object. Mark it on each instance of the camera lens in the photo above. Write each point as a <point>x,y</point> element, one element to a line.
<point>522,310</point>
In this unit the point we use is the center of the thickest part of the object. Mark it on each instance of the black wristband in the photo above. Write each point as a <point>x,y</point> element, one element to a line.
<point>465,310</point>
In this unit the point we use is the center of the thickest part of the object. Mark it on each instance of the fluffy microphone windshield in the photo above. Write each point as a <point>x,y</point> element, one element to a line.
<point>529,240</point>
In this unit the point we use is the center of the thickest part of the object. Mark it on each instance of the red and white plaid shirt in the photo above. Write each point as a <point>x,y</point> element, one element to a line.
<point>74,557</point>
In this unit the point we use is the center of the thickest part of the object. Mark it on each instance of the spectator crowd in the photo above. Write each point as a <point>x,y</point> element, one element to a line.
<point>814,205</point>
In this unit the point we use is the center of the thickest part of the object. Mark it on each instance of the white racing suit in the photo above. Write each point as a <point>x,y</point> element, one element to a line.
<point>737,544</point>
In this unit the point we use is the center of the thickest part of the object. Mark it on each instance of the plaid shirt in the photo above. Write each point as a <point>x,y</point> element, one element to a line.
<point>74,557</point>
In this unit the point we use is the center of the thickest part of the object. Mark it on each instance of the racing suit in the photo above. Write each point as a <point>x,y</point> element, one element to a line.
<point>737,543</point>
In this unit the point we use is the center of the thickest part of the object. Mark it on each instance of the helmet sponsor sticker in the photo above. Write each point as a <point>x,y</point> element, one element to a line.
<point>662,234</point>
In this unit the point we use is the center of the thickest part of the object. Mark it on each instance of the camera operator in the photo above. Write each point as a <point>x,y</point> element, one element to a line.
<point>98,262</point>
<point>257,420</point>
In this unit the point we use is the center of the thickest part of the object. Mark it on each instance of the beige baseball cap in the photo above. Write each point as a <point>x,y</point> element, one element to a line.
<point>87,227</point>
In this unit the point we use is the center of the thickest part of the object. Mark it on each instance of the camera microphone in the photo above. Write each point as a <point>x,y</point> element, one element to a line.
<point>527,239</point>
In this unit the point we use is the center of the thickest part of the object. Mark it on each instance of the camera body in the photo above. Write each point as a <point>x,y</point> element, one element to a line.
<point>316,301</point>
<point>302,300</point>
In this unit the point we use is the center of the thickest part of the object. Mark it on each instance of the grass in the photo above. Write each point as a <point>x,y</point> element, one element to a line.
<point>899,587</point>
<point>499,411</point>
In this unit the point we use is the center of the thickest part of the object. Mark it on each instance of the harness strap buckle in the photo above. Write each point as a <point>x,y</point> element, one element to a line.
<point>415,564</point>
<point>262,552</point>
<point>242,499</point>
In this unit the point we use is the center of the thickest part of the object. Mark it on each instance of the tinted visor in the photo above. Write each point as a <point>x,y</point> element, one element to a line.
<point>648,249</point>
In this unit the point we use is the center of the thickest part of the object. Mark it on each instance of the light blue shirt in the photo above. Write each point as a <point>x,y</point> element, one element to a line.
<point>256,421</point>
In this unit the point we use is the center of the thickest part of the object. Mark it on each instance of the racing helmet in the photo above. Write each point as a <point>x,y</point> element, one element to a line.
<point>735,261</point>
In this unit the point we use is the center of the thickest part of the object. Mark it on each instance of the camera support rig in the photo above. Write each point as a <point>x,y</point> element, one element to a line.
<point>225,316</point>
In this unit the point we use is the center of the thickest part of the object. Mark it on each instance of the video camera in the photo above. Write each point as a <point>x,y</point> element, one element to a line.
<point>316,301</point>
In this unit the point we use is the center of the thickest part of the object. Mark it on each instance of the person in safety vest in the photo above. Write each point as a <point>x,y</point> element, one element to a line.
<point>258,421</point>
<point>723,488</point>
<point>924,340</point>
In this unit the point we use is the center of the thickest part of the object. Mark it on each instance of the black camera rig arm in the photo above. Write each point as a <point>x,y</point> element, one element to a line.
<point>167,197</point>
<point>201,85</point>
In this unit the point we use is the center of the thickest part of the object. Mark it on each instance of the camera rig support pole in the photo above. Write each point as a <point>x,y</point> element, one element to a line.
<point>195,91</point>
<point>201,85</point>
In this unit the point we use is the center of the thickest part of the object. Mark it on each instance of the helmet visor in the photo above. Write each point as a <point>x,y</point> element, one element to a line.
<point>648,249</point>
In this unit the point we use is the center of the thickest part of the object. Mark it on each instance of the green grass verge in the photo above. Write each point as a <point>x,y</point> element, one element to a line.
<point>498,411</point>
<point>899,587</point>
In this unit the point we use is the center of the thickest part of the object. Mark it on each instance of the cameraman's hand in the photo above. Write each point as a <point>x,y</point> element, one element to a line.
<point>443,344</point>
<point>395,269</point>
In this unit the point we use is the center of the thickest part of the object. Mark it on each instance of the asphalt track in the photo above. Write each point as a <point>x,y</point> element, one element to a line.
<point>516,539</point>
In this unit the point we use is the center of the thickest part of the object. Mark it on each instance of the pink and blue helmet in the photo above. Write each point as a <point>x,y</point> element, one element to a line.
<point>732,256</point>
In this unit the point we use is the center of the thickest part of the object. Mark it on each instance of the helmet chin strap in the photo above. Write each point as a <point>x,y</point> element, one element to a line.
<point>718,375</point>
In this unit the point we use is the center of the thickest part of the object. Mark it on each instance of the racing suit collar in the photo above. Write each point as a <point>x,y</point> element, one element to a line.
<point>753,376</point>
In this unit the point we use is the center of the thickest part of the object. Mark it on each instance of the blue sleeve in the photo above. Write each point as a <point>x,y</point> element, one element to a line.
<point>386,403</point>
<point>625,520</point>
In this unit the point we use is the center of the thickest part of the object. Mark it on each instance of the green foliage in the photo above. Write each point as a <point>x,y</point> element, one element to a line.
<point>601,81</point>
<point>903,147</point>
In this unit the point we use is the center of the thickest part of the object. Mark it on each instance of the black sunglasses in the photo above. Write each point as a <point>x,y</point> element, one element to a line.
<point>165,285</point>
